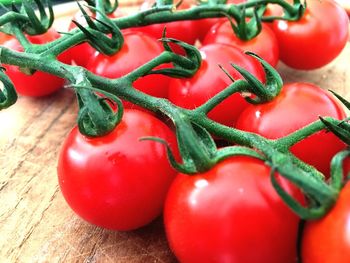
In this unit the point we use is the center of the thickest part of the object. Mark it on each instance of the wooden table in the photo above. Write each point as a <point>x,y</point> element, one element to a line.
<point>36,224</point>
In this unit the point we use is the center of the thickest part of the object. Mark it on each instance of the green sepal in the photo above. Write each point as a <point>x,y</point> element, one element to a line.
<point>8,95</point>
<point>264,92</point>
<point>96,33</point>
<point>247,30</point>
<point>109,6</point>
<point>342,100</point>
<point>37,25</point>
<point>183,66</point>
<point>340,128</point>
<point>337,171</point>
<point>96,117</point>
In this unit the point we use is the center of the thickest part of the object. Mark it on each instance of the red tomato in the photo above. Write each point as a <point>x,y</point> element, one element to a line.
<point>138,49</point>
<point>81,54</point>
<point>265,44</point>
<point>117,181</point>
<point>327,239</point>
<point>185,31</point>
<point>210,79</point>
<point>231,214</point>
<point>316,39</point>
<point>297,105</point>
<point>40,83</point>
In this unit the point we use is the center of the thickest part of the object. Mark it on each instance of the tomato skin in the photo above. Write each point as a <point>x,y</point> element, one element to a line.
<point>265,44</point>
<point>313,41</point>
<point>298,105</point>
<point>210,79</point>
<point>225,213</point>
<point>129,58</point>
<point>117,181</point>
<point>327,239</point>
<point>40,83</point>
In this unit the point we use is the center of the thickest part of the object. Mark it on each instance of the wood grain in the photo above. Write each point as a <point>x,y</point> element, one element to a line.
<point>36,224</point>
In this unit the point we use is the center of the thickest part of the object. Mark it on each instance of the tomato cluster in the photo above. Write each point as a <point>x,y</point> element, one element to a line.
<point>230,213</point>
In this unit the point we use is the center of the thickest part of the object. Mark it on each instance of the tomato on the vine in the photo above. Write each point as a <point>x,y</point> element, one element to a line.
<point>210,79</point>
<point>231,213</point>
<point>265,44</point>
<point>327,239</point>
<point>40,83</point>
<point>138,48</point>
<point>117,181</point>
<point>298,105</point>
<point>316,39</point>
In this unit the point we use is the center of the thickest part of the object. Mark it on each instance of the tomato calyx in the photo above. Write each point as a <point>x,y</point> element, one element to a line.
<point>8,95</point>
<point>96,117</point>
<point>107,6</point>
<point>96,32</point>
<point>291,12</point>
<point>340,128</point>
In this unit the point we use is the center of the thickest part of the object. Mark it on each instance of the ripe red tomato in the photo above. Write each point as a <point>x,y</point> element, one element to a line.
<point>210,79</point>
<point>316,39</point>
<point>81,54</point>
<point>231,214</point>
<point>40,83</point>
<point>138,49</point>
<point>265,44</point>
<point>327,239</point>
<point>117,181</point>
<point>297,105</point>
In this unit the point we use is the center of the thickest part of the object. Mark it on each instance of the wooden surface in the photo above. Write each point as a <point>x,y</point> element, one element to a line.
<point>36,224</point>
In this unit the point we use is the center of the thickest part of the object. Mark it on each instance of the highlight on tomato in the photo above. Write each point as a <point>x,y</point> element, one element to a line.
<point>316,39</point>
<point>40,83</point>
<point>231,213</point>
<point>209,80</point>
<point>298,105</point>
<point>117,181</point>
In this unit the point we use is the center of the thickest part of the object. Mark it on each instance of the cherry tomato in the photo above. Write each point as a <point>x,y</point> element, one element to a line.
<point>117,181</point>
<point>298,105</point>
<point>40,83</point>
<point>231,214</point>
<point>265,44</point>
<point>327,239</point>
<point>138,49</point>
<point>210,79</point>
<point>316,39</point>
<point>81,54</point>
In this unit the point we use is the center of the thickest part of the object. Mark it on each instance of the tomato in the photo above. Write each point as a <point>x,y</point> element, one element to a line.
<point>185,31</point>
<point>117,181</point>
<point>265,44</point>
<point>81,54</point>
<point>327,239</point>
<point>231,214</point>
<point>316,39</point>
<point>298,105</point>
<point>138,49</point>
<point>40,83</point>
<point>210,79</point>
